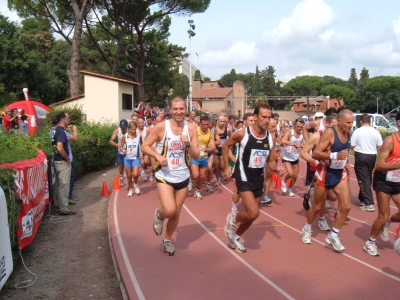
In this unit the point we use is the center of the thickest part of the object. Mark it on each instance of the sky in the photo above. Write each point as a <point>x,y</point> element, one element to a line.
<point>309,37</point>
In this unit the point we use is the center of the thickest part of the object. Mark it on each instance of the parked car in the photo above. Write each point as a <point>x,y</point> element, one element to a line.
<point>378,121</point>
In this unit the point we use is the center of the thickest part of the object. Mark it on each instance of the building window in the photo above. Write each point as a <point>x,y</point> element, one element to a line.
<point>229,104</point>
<point>127,102</point>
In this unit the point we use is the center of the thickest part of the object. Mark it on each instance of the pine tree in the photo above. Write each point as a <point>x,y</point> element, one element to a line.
<point>256,89</point>
<point>364,76</point>
<point>353,77</point>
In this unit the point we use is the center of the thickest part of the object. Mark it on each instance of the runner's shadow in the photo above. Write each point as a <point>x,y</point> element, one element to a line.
<point>391,271</point>
<point>364,232</point>
<point>257,232</point>
<point>187,234</point>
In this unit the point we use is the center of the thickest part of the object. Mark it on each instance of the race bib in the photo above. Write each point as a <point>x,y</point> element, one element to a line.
<point>132,150</point>
<point>258,158</point>
<point>202,151</point>
<point>393,176</point>
<point>291,149</point>
<point>176,160</point>
<point>338,164</point>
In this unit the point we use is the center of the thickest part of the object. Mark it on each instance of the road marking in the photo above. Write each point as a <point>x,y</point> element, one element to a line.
<point>347,255</point>
<point>254,270</point>
<point>128,265</point>
<point>255,226</point>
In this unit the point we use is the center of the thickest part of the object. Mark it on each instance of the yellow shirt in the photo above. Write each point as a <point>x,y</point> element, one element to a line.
<point>204,140</point>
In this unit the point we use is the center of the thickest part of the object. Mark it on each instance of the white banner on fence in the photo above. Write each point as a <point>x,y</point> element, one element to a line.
<point>6,262</point>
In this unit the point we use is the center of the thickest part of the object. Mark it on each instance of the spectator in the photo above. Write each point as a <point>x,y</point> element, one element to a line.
<point>24,122</point>
<point>7,120</point>
<point>365,141</point>
<point>14,118</point>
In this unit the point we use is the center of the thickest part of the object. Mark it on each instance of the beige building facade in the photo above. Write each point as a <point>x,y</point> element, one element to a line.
<point>106,99</point>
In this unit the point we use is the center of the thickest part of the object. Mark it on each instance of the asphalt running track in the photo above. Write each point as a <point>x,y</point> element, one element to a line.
<point>277,264</point>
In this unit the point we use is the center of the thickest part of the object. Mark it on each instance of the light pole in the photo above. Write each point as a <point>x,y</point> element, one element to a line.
<point>377,110</point>
<point>327,97</point>
<point>191,34</point>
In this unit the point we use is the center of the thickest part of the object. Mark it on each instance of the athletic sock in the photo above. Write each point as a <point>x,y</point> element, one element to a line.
<point>322,218</point>
<point>372,240</point>
<point>388,223</point>
<point>234,206</point>
<point>334,232</point>
<point>158,216</point>
<point>165,240</point>
<point>307,226</point>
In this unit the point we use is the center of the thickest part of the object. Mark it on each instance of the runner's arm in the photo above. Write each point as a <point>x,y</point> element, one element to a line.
<point>121,146</point>
<point>235,138</point>
<point>308,146</point>
<point>193,150</point>
<point>153,137</point>
<point>211,144</point>
<point>285,139</point>
<point>324,143</point>
<point>113,137</point>
<point>387,148</point>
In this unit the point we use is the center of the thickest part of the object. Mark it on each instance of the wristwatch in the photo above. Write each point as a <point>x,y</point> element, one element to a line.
<point>189,144</point>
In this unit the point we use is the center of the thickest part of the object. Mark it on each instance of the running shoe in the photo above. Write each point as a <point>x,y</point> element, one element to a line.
<point>198,195</point>
<point>218,182</point>
<point>397,246</point>
<point>323,225</point>
<point>144,176</point>
<point>266,200</point>
<point>151,177</point>
<point>307,188</point>
<point>335,242</point>
<point>306,204</point>
<point>237,245</point>
<point>168,248</point>
<point>306,236</point>
<point>121,180</point>
<point>370,248</point>
<point>209,189</point>
<point>230,228</point>
<point>369,208</point>
<point>157,224</point>
<point>385,234</point>
<point>130,193</point>
<point>283,188</point>
<point>137,190</point>
<point>347,217</point>
<point>327,206</point>
<point>290,192</point>
<point>190,185</point>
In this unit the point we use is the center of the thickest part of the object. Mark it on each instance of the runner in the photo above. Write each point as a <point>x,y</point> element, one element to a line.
<point>140,131</point>
<point>117,134</point>
<point>317,205</point>
<point>292,140</point>
<point>332,174</point>
<point>280,127</point>
<point>175,139</point>
<point>192,119</point>
<point>224,133</point>
<point>198,167</point>
<point>256,149</point>
<point>147,160</point>
<point>386,184</point>
<point>130,146</point>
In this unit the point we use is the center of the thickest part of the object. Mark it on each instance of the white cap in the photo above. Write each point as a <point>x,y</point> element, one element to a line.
<point>318,114</point>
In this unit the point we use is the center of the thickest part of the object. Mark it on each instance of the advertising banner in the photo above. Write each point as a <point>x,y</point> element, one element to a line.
<point>6,262</point>
<point>31,187</point>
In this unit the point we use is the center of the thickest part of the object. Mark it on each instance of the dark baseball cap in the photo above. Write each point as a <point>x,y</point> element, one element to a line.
<point>123,124</point>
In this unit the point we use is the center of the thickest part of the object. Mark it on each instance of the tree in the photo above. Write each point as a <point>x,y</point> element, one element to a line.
<point>268,86</point>
<point>334,80</point>
<point>364,76</point>
<point>339,93</point>
<point>206,78</point>
<point>256,88</point>
<point>229,78</point>
<point>353,77</point>
<point>383,86</point>
<point>180,86</point>
<point>197,75</point>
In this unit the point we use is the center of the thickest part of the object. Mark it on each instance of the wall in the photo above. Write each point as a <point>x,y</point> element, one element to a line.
<point>125,88</point>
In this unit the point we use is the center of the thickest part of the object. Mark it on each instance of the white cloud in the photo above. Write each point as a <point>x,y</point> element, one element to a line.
<point>12,16</point>
<point>308,20</point>
<point>396,26</point>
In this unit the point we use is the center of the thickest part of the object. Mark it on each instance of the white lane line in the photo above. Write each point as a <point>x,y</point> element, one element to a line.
<point>347,255</point>
<point>128,265</point>
<point>255,271</point>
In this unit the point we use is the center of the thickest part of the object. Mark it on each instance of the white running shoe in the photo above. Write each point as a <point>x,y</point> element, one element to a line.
<point>209,189</point>
<point>230,229</point>
<point>137,190</point>
<point>157,224</point>
<point>306,236</point>
<point>198,195</point>
<point>121,180</point>
<point>144,176</point>
<point>283,188</point>
<point>218,182</point>
<point>190,185</point>
<point>323,225</point>
<point>237,245</point>
<point>290,192</point>
<point>130,193</point>
<point>335,242</point>
<point>168,248</point>
<point>370,248</point>
<point>385,234</point>
<point>397,246</point>
<point>151,177</point>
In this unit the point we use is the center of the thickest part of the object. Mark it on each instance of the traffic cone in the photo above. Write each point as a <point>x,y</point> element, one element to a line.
<point>288,183</point>
<point>116,186</point>
<point>278,182</point>
<point>273,177</point>
<point>104,191</point>
<point>398,232</point>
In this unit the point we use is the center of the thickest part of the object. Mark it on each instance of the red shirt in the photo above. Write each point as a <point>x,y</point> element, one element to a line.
<point>7,122</point>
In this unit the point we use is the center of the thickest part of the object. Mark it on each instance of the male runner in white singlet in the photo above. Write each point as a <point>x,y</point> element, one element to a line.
<point>175,139</point>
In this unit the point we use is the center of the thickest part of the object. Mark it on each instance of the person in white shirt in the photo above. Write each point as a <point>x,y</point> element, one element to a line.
<point>365,141</point>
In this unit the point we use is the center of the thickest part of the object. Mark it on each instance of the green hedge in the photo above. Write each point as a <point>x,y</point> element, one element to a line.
<point>91,152</point>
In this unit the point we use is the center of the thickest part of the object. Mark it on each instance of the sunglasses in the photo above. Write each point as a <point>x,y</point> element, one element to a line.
<point>299,120</point>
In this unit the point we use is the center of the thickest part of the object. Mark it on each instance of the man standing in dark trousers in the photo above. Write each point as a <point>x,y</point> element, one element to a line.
<point>365,141</point>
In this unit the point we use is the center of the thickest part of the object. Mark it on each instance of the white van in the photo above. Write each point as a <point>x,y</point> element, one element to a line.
<point>377,121</point>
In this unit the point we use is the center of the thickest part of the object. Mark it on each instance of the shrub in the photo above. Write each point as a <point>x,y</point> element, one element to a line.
<point>75,114</point>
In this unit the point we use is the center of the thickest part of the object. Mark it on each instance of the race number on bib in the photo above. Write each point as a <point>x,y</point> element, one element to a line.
<point>258,158</point>
<point>176,160</point>
<point>393,176</point>
<point>338,164</point>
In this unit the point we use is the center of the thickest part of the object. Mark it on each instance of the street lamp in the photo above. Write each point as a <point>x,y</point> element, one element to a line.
<point>191,34</point>
<point>377,110</point>
<point>327,97</point>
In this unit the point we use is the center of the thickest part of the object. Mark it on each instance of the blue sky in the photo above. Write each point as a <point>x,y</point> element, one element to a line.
<point>309,37</point>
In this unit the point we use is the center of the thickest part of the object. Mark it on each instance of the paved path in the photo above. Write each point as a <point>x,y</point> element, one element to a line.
<point>277,264</point>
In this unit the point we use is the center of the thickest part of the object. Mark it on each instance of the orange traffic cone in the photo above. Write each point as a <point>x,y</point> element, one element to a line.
<point>273,177</point>
<point>104,191</point>
<point>278,182</point>
<point>398,232</point>
<point>116,186</point>
<point>288,183</point>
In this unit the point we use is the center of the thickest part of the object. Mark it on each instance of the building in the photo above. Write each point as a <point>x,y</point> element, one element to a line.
<point>106,98</point>
<point>184,68</point>
<point>320,103</point>
<point>213,97</point>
